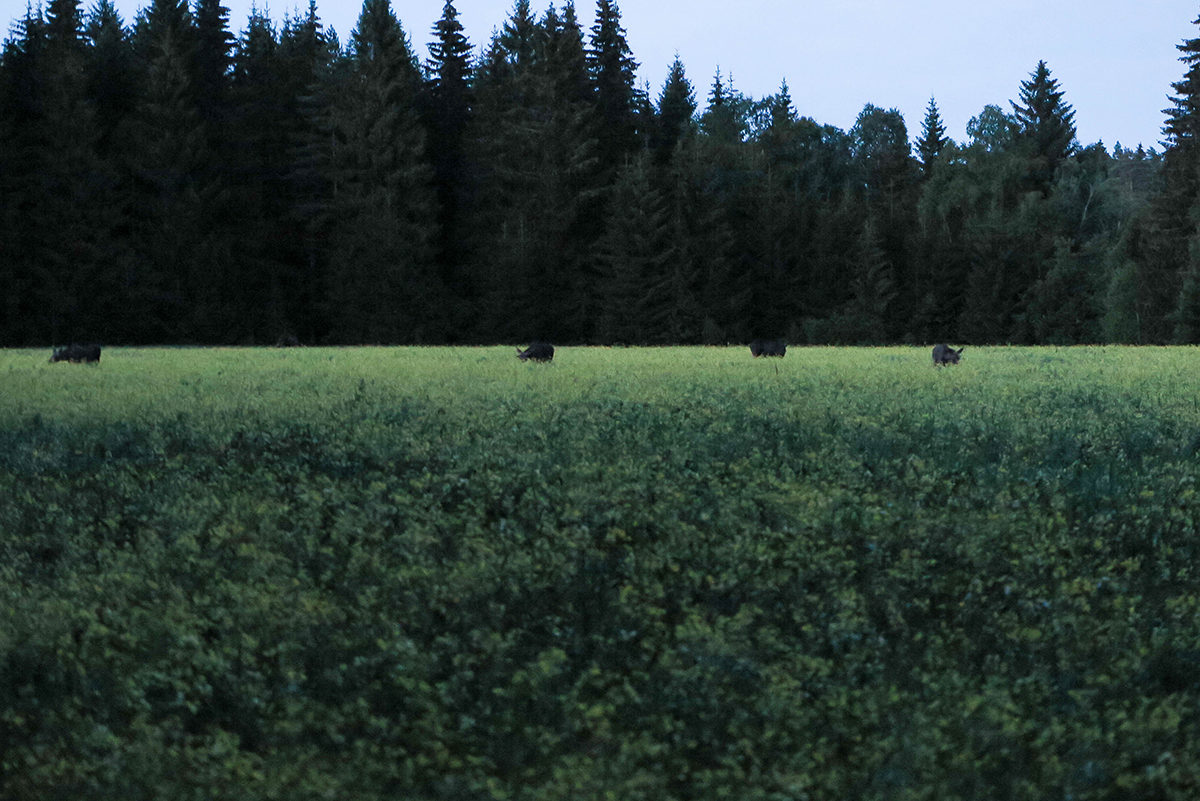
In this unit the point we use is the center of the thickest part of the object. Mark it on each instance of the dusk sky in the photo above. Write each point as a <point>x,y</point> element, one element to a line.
<point>1114,59</point>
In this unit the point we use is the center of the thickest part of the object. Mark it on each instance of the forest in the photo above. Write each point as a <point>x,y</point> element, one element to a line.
<point>165,180</point>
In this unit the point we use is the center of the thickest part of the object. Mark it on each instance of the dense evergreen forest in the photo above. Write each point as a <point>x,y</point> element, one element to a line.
<point>165,181</point>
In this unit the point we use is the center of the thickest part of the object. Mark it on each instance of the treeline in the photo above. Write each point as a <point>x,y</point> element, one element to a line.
<point>168,182</point>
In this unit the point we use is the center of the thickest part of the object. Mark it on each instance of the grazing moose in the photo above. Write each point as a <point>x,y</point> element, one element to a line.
<point>537,352</point>
<point>76,354</point>
<point>768,347</point>
<point>944,354</point>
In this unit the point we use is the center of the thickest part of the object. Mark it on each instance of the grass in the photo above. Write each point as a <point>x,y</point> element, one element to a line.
<point>656,573</point>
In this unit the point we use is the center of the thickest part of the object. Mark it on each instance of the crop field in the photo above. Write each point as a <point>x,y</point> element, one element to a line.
<point>659,574</point>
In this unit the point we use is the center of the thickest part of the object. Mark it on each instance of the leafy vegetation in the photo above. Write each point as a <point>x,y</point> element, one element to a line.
<point>634,573</point>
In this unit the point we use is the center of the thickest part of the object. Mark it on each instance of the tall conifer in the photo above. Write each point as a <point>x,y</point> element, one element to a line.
<point>1045,126</point>
<point>933,138</point>
<point>448,112</point>
<point>612,69</point>
<point>676,111</point>
<point>381,208</point>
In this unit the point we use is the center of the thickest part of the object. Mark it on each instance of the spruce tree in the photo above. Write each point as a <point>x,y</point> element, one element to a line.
<point>712,175</point>
<point>111,73</point>
<point>1045,127</point>
<point>1169,261</point>
<point>184,272</point>
<point>533,222</point>
<point>724,119</point>
<point>567,59</point>
<point>865,318</point>
<point>519,36</point>
<point>68,165</point>
<point>781,111</point>
<point>634,286</point>
<point>1182,127</point>
<point>213,60</point>
<point>308,55</point>
<point>21,185</point>
<point>380,210</point>
<point>503,220</point>
<point>676,111</point>
<point>933,139</point>
<point>258,164</point>
<point>58,189</point>
<point>447,114</point>
<point>680,318</point>
<point>612,70</point>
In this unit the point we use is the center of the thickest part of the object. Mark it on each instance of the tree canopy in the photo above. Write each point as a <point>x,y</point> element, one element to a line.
<point>169,180</point>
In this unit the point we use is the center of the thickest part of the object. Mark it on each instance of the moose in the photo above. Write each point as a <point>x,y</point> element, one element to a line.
<point>76,354</point>
<point>944,354</point>
<point>537,352</point>
<point>768,347</point>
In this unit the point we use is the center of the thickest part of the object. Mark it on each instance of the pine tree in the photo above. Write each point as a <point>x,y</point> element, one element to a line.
<point>933,139</point>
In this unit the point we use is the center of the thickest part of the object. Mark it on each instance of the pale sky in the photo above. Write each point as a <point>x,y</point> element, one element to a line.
<point>1114,59</point>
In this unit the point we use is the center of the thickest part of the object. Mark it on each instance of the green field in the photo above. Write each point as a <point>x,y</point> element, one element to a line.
<point>678,573</point>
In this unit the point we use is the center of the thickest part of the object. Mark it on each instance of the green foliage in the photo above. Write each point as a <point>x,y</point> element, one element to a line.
<point>172,183</point>
<point>679,573</point>
<point>676,112</point>
<point>864,318</point>
<point>379,212</point>
<point>933,138</point>
<point>611,68</point>
<point>1045,126</point>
